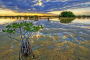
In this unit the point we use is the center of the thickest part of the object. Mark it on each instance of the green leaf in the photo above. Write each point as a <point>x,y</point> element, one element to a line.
<point>3,30</point>
<point>8,26</point>
<point>23,25</point>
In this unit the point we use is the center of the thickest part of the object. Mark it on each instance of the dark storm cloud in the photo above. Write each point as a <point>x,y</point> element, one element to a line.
<point>42,5</point>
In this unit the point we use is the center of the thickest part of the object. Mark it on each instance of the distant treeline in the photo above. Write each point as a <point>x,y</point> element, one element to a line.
<point>71,14</point>
<point>26,16</point>
<point>79,16</point>
<point>83,16</point>
<point>47,16</point>
<point>63,14</point>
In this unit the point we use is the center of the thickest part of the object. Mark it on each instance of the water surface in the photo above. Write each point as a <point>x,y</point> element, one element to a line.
<point>61,39</point>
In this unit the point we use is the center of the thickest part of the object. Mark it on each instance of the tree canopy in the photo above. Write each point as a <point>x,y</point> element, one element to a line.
<point>22,28</point>
<point>67,14</point>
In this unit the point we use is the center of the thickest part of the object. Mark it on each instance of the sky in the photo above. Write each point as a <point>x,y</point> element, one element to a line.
<point>44,7</point>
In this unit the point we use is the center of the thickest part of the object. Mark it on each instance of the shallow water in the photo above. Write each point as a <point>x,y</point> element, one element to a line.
<point>59,40</point>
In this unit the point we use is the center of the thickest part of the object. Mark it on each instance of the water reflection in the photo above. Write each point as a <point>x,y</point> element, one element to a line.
<point>83,21</point>
<point>52,48</point>
<point>56,41</point>
<point>66,20</point>
<point>20,17</point>
<point>4,21</point>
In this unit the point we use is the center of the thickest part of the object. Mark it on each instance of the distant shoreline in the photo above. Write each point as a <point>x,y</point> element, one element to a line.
<point>46,16</point>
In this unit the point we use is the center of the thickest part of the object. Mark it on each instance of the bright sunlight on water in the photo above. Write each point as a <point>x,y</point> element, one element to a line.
<point>60,39</point>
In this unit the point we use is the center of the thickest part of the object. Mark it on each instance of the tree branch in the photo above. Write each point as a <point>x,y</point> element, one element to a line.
<point>12,38</point>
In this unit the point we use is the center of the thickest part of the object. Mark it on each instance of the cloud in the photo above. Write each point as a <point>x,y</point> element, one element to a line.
<point>43,5</point>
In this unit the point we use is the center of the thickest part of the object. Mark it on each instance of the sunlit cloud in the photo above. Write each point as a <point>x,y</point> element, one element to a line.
<point>7,12</point>
<point>55,12</point>
<point>10,12</point>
